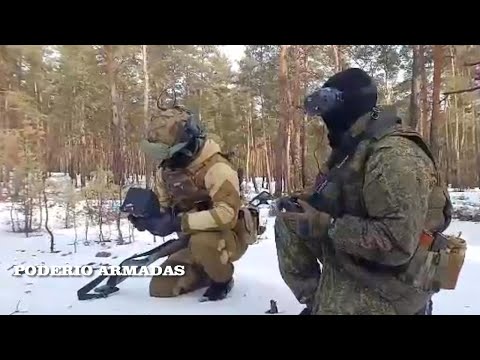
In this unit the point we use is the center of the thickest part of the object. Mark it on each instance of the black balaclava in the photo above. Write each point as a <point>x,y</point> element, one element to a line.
<point>359,98</point>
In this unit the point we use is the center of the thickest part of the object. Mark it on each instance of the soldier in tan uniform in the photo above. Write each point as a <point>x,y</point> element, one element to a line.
<point>200,192</point>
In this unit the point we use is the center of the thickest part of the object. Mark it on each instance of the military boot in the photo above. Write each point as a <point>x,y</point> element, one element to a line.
<point>306,311</point>
<point>218,291</point>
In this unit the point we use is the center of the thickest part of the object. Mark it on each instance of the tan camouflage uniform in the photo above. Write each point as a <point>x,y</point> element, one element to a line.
<point>214,244</point>
<point>389,194</point>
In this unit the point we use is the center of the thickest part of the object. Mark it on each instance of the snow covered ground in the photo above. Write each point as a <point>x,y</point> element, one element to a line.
<point>257,278</point>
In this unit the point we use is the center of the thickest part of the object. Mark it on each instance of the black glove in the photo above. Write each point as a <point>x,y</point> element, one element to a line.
<point>135,223</point>
<point>164,225</point>
<point>332,207</point>
<point>307,222</point>
<point>289,204</point>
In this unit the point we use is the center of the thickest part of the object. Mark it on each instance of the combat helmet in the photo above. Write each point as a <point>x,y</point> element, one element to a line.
<point>173,134</point>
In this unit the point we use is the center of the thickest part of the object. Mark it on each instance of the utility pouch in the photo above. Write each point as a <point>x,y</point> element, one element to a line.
<point>247,227</point>
<point>437,262</point>
<point>457,249</point>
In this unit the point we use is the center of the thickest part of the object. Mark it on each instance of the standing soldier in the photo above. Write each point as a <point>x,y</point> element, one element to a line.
<point>375,219</point>
<point>198,190</point>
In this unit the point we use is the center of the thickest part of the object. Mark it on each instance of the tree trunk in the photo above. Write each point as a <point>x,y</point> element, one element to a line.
<point>304,152</point>
<point>457,124</point>
<point>265,149</point>
<point>52,238</point>
<point>120,239</point>
<point>339,64</point>
<point>282,154</point>
<point>146,120</point>
<point>415,115</point>
<point>424,94</point>
<point>448,147</point>
<point>297,118</point>
<point>84,149</point>
<point>253,145</point>
<point>435,122</point>
<point>476,136</point>
<point>288,141</point>
<point>249,149</point>
<point>117,121</point>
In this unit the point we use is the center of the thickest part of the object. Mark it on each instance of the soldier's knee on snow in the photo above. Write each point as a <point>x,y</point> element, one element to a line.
<point>162,286</point>
<point>171,286</point>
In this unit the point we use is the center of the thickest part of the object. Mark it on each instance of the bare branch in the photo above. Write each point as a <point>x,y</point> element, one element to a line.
<point>472,63</point>
<point>461,91</point>
<point>174,98</point>
<point>17,310</point>
<point>446,94</point>
<point>118,65</point>
<point>159,98</point>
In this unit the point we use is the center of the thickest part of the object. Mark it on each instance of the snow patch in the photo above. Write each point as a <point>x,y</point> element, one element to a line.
<point>257,279</point>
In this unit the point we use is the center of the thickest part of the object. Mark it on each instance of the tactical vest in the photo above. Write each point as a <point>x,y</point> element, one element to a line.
<point>351,174</point>
<point>429,270</point>
<point>186,189</point>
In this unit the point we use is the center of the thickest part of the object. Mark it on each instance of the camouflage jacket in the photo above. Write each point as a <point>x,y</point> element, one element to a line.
<point>210,176</point>
<point>389,191</point>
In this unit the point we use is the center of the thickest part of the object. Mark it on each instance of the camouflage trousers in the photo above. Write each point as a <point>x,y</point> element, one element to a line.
<point>209,257</point>
<point>325,290</point>
<point>298,261</point>
<point>427,310</point>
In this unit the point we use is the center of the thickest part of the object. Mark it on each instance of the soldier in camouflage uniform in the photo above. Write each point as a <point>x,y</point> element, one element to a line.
<point>373,216</point>
<point>199,191</point>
